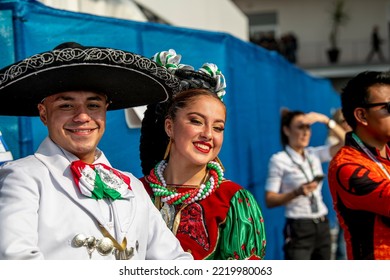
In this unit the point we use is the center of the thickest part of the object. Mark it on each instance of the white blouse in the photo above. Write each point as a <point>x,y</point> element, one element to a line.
<point>285,174</point>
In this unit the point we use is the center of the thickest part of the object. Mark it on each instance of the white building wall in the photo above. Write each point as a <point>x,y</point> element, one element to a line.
<point>123,9</point>
<point>213,15</point>
<point>309,20</point>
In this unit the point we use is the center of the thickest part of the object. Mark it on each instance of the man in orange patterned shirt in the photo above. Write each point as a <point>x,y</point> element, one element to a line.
<point>359,174</point>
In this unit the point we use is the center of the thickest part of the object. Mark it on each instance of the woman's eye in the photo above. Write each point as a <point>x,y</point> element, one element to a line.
<point>219,129</point>
<point>196,121</point>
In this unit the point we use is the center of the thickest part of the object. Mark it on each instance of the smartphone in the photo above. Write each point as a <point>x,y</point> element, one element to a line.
<point>318,178</point>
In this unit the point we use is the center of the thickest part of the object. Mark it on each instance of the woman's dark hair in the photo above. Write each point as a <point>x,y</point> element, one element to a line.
<point>192,79</point>
<point>154,140</point>
<point>356,93</point>
<point>287,117</point>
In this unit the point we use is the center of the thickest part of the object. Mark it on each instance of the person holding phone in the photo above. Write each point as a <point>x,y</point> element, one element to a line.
<point>294,180</point>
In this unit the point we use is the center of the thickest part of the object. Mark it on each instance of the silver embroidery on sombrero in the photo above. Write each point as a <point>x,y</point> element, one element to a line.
<point>90,55</point>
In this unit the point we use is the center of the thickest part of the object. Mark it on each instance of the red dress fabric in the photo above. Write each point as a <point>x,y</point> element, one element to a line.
<point>201,222</point>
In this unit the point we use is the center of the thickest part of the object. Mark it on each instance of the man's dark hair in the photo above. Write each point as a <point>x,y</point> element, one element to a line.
<point>356,93</point>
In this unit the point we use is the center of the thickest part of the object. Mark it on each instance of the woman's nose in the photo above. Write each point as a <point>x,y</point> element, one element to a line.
<point>207,132</point>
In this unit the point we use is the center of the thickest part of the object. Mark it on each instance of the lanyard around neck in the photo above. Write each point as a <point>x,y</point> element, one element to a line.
<point>370,154</point>
<point>301,167</point>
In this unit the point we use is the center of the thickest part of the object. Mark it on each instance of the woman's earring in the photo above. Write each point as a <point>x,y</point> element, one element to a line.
<point>168,149</point>
<point>220,163</point>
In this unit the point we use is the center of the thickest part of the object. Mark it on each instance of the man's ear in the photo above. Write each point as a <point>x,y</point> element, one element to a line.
<point>42,113</point>
<point>360,115</point>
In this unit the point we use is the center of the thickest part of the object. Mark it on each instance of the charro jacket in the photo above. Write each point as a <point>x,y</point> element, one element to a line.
<point>41,211</point>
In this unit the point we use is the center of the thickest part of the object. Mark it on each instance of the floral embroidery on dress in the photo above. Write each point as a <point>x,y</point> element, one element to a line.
<point>192,224</point>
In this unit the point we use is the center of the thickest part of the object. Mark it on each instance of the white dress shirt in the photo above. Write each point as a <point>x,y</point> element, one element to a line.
<point>285,176</point>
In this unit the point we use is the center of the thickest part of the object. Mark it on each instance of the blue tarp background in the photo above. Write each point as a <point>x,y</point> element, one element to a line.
<point>259,82</point>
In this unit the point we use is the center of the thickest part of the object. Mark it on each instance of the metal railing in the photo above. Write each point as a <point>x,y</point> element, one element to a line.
<point>311,54</point>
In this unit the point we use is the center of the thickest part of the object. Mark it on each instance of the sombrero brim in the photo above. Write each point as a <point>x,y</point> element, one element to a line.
<point>126,78</point>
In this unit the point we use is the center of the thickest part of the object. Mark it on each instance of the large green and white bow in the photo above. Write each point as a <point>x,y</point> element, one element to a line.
<point>171,61</point>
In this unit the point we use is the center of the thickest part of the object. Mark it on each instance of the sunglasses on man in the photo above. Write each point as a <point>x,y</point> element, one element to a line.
<point>370,105</point>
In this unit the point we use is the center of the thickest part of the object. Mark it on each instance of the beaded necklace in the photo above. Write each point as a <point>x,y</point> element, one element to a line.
<point>159,186</point>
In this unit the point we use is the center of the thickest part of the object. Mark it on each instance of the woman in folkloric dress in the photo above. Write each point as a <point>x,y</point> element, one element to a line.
<point>213,218</point>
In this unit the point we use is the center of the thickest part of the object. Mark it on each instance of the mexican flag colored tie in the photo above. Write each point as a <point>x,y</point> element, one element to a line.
<point>100,181</point>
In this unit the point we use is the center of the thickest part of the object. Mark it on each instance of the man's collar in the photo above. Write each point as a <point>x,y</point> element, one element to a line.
<point>349,141</point>
<point>71,157</point>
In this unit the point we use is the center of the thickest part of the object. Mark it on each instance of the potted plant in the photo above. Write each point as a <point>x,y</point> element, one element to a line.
<point>338,18</point>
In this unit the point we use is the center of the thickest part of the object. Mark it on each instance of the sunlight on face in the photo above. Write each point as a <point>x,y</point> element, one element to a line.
<point>76,121</point>
<point>197,131</point>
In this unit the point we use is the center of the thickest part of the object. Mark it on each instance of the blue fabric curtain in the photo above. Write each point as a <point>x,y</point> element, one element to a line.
<point>259,82</point>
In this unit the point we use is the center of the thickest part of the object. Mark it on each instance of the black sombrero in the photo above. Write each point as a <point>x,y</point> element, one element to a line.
<point>126,78</point>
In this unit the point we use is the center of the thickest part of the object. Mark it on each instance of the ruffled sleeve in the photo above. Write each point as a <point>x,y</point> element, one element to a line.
<point>243,235</point>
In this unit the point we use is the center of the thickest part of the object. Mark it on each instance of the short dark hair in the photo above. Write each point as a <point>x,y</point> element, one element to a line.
<point>356,93</point>
<point>287,117</point>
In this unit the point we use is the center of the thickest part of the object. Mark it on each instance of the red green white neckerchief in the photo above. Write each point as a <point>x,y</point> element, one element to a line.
<point>159,186</point>
<point>100,181</point>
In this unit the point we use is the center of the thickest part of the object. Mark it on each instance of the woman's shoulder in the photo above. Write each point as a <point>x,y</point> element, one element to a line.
<point>278,156</point>
<point>281,153</point>
<point>229,187</point>
<point>230,184</point>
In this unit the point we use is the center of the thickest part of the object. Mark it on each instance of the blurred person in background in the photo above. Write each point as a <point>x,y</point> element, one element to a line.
<point>295,181</point>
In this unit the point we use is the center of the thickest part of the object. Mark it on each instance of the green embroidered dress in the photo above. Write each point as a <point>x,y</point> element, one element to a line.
<point>228,224</point>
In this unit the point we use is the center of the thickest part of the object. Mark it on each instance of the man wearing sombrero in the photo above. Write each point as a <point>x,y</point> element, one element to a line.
<point>66,201</point>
